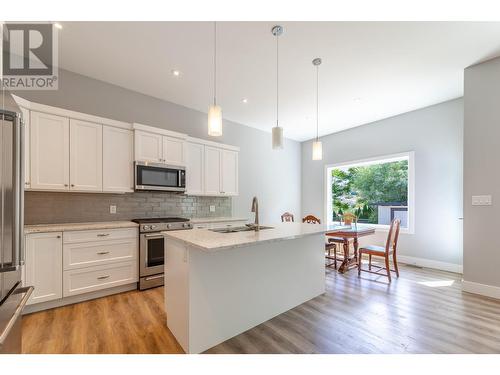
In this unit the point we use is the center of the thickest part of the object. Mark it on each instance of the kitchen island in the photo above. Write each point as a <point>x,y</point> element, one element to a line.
<point>218,285</point>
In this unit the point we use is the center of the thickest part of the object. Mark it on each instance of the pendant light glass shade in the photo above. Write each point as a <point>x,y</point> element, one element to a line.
<point>277,138</point>
<point>214,121</point>
<point>317,150</point>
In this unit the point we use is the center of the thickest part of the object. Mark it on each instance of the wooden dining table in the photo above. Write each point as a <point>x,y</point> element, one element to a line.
<point>347,233</point>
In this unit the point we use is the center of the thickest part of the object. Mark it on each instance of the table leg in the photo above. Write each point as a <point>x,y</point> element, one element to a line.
<point>344,266</point>
<point>355,244</point>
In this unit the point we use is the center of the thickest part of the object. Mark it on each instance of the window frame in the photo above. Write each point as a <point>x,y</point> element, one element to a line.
<point>409,155</point>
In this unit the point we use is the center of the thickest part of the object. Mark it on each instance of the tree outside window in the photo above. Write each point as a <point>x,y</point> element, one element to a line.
<point>376,193</point>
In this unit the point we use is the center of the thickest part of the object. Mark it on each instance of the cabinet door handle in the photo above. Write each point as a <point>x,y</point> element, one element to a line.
<point>103,277</point>
<point>103,252</point>
<point>103,235</point>
<point>58,236</point>
<point>65,185</point>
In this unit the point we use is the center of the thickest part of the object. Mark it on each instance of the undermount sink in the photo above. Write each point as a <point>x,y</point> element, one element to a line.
<point>239,229</point>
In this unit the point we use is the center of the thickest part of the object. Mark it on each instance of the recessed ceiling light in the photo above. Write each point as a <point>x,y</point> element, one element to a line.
<point>58,26</point>
<point>176,73</point>
<point>244,100</point>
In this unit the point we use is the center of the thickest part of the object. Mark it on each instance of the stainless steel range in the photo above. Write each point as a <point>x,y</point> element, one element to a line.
<point>152,248</point>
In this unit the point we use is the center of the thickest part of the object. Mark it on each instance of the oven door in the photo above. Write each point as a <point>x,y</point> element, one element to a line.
<point>152,254</point>
<point>153,176</point>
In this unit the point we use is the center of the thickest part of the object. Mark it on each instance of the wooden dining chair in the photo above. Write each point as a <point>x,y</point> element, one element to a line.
<point>349,218</point>
<point>331,259</point>
<point>311,219</point>
<point>287,217</point>
<point>385,252</point>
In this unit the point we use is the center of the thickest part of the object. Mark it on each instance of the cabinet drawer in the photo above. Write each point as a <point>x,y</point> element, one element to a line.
<point>202,226</point>
<point>228,224</point>
<point>90,279</point>
<point>100,235</point>
<point>80,255</point>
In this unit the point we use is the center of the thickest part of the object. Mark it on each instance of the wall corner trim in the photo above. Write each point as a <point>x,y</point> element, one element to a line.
<point>429,263</point>
<point>482,289</point>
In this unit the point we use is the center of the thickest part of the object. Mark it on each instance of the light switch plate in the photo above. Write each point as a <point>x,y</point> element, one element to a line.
<point>212,208</point>
<point>481,200</point>
<point>112,209</point>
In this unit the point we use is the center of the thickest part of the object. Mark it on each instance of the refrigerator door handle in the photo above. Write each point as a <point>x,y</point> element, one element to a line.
<point>21,144</point>
<point>17,313</point>
<point>18,191</point>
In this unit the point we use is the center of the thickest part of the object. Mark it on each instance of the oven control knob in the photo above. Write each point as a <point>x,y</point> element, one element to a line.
<point>146,227</point>
<point>185,225</point>
<point>169,226</point>
<point>153,226</point>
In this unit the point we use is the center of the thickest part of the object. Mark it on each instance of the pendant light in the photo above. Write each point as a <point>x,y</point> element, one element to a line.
<point>277,130</point>
<point>214,111</point>
<point>317,149</point>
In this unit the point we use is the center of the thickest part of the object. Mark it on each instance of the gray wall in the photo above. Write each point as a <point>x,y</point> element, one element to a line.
<point>273,176</point>
<point>51,207</point>
<point>435,134</point>
<point>481,177</point>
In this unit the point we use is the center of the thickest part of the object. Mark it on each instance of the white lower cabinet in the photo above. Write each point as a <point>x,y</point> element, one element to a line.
<point>67,264</point>
<point>85,280</point>
<point>43,266</point>
<point>80,255</point>
<point>219,224</point>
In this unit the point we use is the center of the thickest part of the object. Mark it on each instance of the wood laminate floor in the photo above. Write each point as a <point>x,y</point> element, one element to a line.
<point>424,311</point>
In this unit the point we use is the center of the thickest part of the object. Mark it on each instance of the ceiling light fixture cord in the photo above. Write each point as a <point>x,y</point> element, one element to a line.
<point>215,62</point>
<point>277,79</point>
<point>317,102</point>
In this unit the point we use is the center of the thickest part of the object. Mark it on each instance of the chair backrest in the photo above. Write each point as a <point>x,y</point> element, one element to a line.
<point>310,219</point>
<point>349,218</point>
<point>287,216</point>
<point>392,236</point>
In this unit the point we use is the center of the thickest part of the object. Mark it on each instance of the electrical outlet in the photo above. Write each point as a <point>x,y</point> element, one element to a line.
<point>112,209</point>
<point>212,208</point>
<point>481,200</point>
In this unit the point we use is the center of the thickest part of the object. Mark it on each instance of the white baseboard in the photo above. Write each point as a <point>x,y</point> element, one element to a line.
<point>482,289</point>
<point>429,263</point>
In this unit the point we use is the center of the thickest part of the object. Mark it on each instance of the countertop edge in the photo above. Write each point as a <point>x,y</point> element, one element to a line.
<point>243,244</point>
<point>199,220</point>
<point>67,227</point>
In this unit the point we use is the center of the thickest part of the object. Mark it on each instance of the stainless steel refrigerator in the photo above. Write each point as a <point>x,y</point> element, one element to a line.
<point>13,296</point>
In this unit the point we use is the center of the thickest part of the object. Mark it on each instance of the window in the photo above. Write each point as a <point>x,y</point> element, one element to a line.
<point>375,190</point>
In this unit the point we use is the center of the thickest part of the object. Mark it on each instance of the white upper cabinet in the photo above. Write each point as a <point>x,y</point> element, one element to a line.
<point>43,268</point>
<point>27,161</point>
<point>157,145</point>
<point>173,151</point>
<point>148,147</point>
<point>117,160</point>
<point>212,170</point>
<point>49,153</point>
<point>85,156</point>
<point>229,172</point>
<point>195,156</point>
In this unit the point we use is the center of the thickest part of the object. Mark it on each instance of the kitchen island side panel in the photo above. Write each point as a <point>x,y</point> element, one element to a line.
<point>236,289</point>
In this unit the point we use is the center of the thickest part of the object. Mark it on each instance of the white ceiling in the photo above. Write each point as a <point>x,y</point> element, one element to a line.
<point>370,70</point>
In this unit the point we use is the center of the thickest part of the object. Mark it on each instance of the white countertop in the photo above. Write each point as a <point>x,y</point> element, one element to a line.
<point>44,228</point>
<point>198,220</point>
<point>208,240</point>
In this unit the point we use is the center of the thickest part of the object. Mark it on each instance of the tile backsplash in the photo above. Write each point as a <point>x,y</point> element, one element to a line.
<point>52,208</point>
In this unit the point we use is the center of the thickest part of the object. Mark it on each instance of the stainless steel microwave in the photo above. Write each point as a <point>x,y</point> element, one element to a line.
<point>162,177</point>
